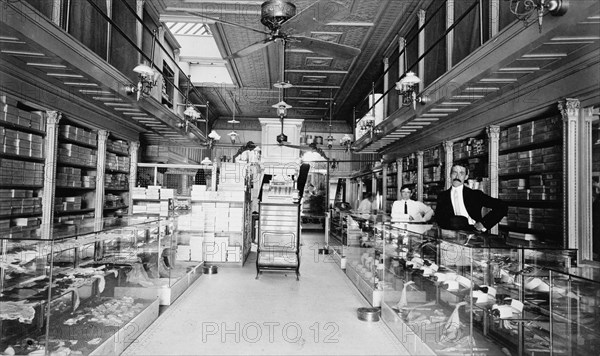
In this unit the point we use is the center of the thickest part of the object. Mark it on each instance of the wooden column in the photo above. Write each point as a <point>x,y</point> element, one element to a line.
<point>398,177</point>
<point>449,152</point>
<point>585,184</point>
<point>384,194</point>
<point>52,120</point>
<point>139,9</point>
<point>421,65</point>
<point>450,37</point>
<point>420,175</point>
<point>133,165</point>
<point>100,173</point>
<point>494,17</point>
<point>570,111</point>
<point>386,86</point>
<point>56,12</point>
<point>493,132</point>
<point>401,64</point>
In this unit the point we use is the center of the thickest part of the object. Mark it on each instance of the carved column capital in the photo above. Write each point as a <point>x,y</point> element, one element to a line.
<point>386,62</point>
<point>401,43</point>
<point>493,132</point>
<point>421,15</point>
<point>134,147</point>
<point>102,135</point>
<point>588,114</point>
<point>419,154</point>
<point>53,117</point>
<point>569,108</point>
<point>448,145</point>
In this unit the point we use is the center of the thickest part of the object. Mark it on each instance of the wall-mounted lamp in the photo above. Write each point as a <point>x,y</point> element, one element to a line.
<point>367,122</point>
<point>523,9</point>
<point>146,74</point>
<point>407,87</point>
<point>282,108</point>
<point>346,141</point>
<point>191,113</point>
<point>213,136</point>
<point>206,161</point>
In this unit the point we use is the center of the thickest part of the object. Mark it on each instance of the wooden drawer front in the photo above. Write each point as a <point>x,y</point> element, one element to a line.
<point>278,211</point>
<point>283,241</point>
<point>279,220</point>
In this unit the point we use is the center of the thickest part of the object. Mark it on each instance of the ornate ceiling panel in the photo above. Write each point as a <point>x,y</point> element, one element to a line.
<point>369,25</point>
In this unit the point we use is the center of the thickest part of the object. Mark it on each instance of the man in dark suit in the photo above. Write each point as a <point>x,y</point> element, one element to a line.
<point>459,208</point>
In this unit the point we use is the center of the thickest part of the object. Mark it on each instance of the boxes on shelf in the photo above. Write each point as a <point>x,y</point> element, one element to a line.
<point>78,134</point>
<point>138,193</point>
<point>153,192</point>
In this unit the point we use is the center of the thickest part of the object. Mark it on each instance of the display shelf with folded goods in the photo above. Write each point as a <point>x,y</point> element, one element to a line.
<point>151,200</point>
<point>465,293</point>
<point>76,171</point>
<point>473,153</point>
<point>59,294</point>
<point>409,170</point>
<point>530,172</point>
<point>22,134</point>
<point>433,174</point>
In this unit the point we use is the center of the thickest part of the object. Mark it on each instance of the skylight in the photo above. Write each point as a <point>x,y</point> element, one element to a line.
<point>200,51</point>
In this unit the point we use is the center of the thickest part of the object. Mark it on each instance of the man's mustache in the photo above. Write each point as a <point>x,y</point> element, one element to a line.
<point>456,179</point>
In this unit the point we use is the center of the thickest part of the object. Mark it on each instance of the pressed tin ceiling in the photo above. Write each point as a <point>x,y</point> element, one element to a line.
<point>369,25</point>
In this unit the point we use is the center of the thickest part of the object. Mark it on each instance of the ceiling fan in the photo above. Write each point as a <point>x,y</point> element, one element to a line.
<point>280,17</point>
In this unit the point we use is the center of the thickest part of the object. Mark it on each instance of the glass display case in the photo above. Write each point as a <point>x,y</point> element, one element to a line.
<point>78,291</point>
<point>464,294</point>
<point>575,306</point>
<point>363,256</point>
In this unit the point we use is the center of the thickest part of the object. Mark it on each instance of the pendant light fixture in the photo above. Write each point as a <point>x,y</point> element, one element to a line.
<point>330,139</point>
<point>233,136</point>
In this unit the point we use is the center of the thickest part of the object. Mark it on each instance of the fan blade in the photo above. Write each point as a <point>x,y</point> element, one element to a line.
<point>253,47</point>
<point>326,48</point>
<point>285,144</point>
<point>225,22</point>
<point>317,14</point>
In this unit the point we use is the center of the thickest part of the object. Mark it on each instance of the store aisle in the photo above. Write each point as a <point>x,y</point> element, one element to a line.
<point>231,313</point>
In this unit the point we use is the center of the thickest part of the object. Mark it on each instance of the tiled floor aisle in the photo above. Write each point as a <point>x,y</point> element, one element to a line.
<point>231,313</point>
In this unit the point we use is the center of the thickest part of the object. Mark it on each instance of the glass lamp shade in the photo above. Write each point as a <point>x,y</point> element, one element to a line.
<point>407,82</point>
<point>330,140</point>
<point>145,71</point>
<point>233,136</point>
<point>345,139</point>
<point>410,79</point>
<point>214,135</point>
<point>191,112</point>
<point>206,161</point>
<point>281,107</point>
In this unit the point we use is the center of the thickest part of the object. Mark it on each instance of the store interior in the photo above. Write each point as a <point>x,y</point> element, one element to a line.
<point>173,162</point>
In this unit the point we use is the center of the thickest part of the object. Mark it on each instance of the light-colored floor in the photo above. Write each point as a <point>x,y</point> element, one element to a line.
<point>231,313</point>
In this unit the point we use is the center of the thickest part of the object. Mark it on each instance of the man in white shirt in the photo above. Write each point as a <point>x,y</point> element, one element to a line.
<point>459,208</point>
<point>366,205</point>
<point>407,209</point>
